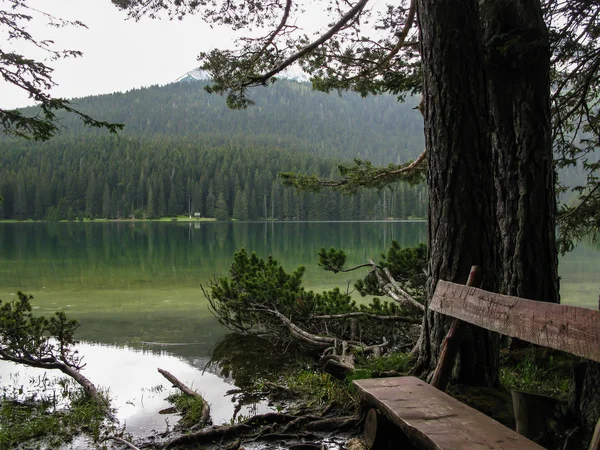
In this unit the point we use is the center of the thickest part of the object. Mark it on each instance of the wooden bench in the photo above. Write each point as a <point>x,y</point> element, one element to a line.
<point>432,419</point>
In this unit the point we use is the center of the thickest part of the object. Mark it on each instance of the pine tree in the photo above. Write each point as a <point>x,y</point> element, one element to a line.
<point>90,197</point>
<point>210,203</point>
<point>172,207</point>
<point>62,210</point>
<point>221,212</point>
<point>151,209</point>
<point>20,199</point>
<point>162,204</point>
<point>106,203</point>
<point>240,206</point>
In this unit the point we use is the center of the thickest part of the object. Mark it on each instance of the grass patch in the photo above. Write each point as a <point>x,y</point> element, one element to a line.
<point>318,389</point>
<point>40,424</point>
<point>538,370</point>
<point>373,366</point>
<point>189,408</point>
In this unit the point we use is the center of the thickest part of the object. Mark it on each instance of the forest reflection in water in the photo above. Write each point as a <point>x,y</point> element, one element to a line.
<point>135,289</point>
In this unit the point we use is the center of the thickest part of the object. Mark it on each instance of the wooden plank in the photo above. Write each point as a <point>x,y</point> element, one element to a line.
<point>433,420</point>
<point>562,327</point>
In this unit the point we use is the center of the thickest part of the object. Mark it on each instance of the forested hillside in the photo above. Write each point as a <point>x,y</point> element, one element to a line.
<point>184,152</point>
<point>286,114</point>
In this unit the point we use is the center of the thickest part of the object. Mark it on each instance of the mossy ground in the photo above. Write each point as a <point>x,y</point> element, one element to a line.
<point>40,424</point>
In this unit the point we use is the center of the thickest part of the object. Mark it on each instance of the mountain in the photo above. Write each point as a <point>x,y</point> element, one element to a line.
<point>287,113</point>
<point>193,75</point>
<point>183,151</point>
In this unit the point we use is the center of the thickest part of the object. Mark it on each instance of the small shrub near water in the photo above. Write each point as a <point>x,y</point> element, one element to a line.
<point>40,424</point>
<point>190,408</point>
<point>320,389</point>
<point>369,367</point>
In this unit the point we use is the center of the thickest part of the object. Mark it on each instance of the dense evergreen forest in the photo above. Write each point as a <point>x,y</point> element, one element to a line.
<point>184,152</point>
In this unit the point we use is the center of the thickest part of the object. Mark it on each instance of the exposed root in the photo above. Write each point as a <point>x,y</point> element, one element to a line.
<point>266,427</point>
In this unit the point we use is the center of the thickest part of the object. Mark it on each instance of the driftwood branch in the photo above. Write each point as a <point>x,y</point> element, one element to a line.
<point>205,416</point>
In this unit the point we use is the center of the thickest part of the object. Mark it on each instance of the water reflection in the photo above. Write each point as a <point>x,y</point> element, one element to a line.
<point>244,358</point>
<point>50,259</point>
<point>136,388</point>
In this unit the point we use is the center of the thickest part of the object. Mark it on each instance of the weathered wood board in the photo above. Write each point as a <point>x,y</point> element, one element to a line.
<point>433,420</point>
<point>562,327</point>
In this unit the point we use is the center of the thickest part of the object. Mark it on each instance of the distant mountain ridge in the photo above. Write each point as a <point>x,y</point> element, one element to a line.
<point>193,75</point>
<point>202,75</point>
<point>184,152</point>
<point>287,113</point>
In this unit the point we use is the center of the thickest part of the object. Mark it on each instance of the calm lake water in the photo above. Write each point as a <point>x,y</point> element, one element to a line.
<point>135,289</point>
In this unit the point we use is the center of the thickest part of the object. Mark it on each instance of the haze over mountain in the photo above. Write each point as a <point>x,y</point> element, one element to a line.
<point>183,151</point>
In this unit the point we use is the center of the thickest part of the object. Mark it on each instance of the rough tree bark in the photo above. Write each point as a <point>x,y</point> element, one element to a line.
<point>491,176</point>
<point>461,216</point>
<point>517,57</point>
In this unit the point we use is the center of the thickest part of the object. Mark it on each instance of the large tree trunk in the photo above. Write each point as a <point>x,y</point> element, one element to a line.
<point>517,56</point>
<point>461,217</point>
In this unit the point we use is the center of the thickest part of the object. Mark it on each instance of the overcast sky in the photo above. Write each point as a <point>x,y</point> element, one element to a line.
<point>119,54</point>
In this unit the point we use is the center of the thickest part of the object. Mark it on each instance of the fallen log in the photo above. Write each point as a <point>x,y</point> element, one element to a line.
<point>205,416</point>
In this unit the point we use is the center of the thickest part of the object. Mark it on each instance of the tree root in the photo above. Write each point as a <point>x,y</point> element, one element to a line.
<point>266,427</point>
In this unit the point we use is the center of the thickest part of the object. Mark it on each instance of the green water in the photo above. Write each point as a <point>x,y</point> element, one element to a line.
<point>139,282</point>
<point>135,288</point>
<point>133,282</point>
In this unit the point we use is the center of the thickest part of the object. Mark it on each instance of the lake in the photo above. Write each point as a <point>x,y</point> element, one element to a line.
<point>135,289</point>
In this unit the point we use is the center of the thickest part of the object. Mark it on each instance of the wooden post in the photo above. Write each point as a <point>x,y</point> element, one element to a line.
<point>451,345</point>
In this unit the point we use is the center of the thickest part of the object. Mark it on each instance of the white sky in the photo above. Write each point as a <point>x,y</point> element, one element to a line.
<point>118,54</point>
